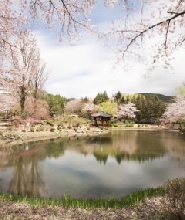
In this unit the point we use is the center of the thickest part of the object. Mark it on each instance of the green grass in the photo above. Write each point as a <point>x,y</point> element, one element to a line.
<point>67,201</point>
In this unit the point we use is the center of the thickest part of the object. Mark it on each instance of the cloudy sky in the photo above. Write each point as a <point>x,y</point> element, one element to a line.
<point>86,67</point>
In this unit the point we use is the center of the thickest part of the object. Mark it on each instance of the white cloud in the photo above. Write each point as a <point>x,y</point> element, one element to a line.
<point>85,69</point>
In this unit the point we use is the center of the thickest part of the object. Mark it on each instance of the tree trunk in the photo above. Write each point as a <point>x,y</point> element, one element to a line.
<point>22,98</point>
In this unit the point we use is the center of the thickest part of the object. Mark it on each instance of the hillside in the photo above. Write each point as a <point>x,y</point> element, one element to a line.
<point>161,97</point>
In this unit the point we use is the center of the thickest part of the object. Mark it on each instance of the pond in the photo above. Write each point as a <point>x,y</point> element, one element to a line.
<point>112,165</point>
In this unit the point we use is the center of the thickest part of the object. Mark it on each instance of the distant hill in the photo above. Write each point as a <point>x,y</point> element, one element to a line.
<point>161,97</point>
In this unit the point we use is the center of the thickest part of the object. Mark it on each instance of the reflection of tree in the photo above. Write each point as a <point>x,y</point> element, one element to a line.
<point>6,153</point>
<point>123,145</point>
<point>99,140</point>
<point>27,177</point>
<point>136,146</point>
<point>55,148</point>
<point>101,157</point>
<point>150,143</point>
<point>134,157</point>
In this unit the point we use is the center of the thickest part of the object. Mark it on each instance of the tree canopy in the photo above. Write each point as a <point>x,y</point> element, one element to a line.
<point>141,20</point>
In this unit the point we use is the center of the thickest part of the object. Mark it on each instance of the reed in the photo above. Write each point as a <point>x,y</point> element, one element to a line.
<point>67,201</point>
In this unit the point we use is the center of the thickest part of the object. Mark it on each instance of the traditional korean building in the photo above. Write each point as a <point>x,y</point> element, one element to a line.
<point>102,117</point>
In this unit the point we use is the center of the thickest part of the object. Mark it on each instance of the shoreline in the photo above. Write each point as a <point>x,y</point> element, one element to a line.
<point>14,137</point>
<point>17,137</point>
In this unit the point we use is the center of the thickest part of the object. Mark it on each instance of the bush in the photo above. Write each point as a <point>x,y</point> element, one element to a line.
<point>175,191</point>
<point>129,125</point>
<point>32,129</point>
<point>52,129</point>
<point>51,123</point>
<point>38,129</point>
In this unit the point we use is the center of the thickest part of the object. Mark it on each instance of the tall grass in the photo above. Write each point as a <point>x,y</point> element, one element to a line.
<point>67,201</point>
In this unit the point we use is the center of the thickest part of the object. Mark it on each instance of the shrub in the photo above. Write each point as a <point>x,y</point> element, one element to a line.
<point>175,191</point>
<point>51,123</point>
<point>52,129</point>
<point>32,129</point>
<point>38,129</point>
<point>129,125</point>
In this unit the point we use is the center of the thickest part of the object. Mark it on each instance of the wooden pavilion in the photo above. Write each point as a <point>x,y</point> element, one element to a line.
<point>101,116</point>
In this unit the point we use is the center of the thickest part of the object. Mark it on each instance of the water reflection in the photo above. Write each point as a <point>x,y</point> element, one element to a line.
<point>111,165</point>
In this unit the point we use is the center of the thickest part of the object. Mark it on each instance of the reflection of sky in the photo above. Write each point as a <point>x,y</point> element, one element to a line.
<point>5,177</point>
<point>82,176</point>
<point>79,175</point>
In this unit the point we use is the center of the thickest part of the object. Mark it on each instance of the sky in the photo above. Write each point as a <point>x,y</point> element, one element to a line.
<point>86,68</point>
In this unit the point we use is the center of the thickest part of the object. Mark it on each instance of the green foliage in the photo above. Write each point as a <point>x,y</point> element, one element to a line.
<point>101,97</point>
<point>67,201</point>
<point>118,97</point>
<point>163,98</point>
<point>181,90</point>
<point>56,104</point>
<point>115,125</point>
<point>109,107</point>
<point>129,125</point>
<point>150,108</point>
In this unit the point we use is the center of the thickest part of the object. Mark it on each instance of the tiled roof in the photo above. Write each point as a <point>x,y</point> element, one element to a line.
<point>101,114</point>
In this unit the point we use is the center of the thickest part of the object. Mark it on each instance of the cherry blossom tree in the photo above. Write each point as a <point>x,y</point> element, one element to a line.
<point>127,111</point>
<point>175,111</point>
<point>40,75</point>
<point>74,106</point>
<point>90,108</point>
<point>39,111</point>
<point>156,32</point>
<point>142,22</point>
<point>69,17</point>
<point>7,23</point>
<point>25,71</point>
<point>7,101</point>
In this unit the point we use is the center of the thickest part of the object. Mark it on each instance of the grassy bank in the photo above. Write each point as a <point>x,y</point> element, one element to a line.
<point>67,201</point>
<point>162,203</point>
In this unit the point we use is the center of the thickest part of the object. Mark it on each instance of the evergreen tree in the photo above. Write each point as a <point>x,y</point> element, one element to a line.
<point>101,97</point>
<point>56,104</point>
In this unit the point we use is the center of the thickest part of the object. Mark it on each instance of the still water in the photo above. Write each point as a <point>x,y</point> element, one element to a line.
<point>112,165</point>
